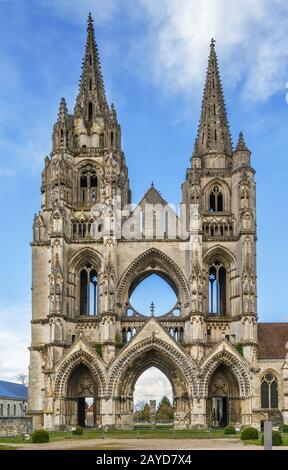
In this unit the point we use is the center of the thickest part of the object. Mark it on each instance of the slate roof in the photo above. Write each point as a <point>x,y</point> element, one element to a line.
<point>13,390</point>
<point>273,340</point>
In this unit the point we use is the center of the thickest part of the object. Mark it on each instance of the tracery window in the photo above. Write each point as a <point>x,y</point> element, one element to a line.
<point>269,391</point>
<point>88,291</point>
<point>88,186</point>
<point>216,200</point>
<point>217,289</point>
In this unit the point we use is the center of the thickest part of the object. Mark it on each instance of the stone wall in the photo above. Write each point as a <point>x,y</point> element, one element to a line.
<point>15,426</point>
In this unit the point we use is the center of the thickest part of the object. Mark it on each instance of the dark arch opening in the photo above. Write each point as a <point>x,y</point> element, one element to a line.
<point>82,404</point>
<point>223,403</point>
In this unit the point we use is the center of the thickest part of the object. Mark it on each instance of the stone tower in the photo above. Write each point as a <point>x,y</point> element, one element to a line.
<point>91,249</point>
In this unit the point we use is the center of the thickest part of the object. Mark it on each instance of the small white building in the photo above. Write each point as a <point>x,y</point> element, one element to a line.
<point>13,400</point>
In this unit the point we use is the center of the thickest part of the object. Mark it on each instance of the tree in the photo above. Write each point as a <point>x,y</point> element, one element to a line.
<point>23,379</point>
<point>165,410</point>
<point>142,411</point>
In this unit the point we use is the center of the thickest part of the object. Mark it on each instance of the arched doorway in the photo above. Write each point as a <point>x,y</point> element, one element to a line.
<point>153,398</point>
<point>223,404</point>
<point>82,404</point>
<point>130,365</point>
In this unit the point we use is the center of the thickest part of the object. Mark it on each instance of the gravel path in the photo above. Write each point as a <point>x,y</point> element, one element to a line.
<point>143,444</point>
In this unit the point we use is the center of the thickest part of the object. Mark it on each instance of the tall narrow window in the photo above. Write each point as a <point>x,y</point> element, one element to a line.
<point>88,291</point>
<point>14,410</point>
<point>8,409</point>
<point>90,111</point>
<point>217,289</point>
<point>216,199</point>
<point>1,409</point>
<point>269,391</point>
<point>88,186</point>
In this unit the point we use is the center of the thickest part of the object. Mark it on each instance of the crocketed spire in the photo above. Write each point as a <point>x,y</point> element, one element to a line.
<point>241,144</point>
<point>91,100</point>
<point>213,132</point>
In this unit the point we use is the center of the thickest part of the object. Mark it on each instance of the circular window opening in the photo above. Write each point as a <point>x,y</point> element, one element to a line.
<point>156,289</point>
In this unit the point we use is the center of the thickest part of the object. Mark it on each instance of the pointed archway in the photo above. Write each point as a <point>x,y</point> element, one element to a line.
<point>79,385</point>
<point>223,402</point>
<point>146,351</point>
<point>225,387</point>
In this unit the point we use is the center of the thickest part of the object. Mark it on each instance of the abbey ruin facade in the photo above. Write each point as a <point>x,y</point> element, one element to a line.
<point>91,249</point>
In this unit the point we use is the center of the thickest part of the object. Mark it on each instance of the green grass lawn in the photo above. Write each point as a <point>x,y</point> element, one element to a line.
<point>257,442</point>
<point>5,447</point>
<point>141,433</point>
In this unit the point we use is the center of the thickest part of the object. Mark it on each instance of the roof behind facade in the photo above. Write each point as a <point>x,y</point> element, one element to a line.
<point>13,390</point>
<point>273,340</point>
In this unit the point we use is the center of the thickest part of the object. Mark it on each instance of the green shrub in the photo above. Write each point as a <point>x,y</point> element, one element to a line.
<point>239,348</point>
<point>78,431</point>
<point>283,428</point>
<point>98,349</point>
<point>249,434</point>
<point>276,439</point>
<point>39,436</point>
<point>229,430</point>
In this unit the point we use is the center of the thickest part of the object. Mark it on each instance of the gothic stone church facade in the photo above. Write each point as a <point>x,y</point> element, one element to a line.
<point>87,339</point>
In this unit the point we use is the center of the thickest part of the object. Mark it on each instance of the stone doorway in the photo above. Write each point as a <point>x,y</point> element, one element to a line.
<point>81,401</point>
<point>219,412</point>
<point>223,403</point>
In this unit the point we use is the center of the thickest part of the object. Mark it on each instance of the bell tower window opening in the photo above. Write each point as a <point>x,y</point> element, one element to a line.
<point>88,292</point>
<point>216,198</point>
<point>88,183</point>
<point>269,391</point>
<point>217,289</point>
<point>90,111</point>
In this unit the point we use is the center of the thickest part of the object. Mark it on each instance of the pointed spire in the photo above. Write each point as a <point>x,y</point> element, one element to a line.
<point>62,110</point>
<point>91,100</point>
<point>241,144</point>
<point>213,132</point>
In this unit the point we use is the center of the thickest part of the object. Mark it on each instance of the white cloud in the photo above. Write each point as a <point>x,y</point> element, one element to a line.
<point>172,42</point>
<point>152,385</point>
<point>14,341</point>
<point>251,40</point>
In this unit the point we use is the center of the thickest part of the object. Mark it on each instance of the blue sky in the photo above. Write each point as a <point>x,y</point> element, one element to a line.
<point>154,55</point>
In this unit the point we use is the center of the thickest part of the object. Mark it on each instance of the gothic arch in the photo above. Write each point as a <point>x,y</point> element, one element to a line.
<point>226,258</point>
<point>235,364</point>
<point>150,261</point>
<point>225,191</point>
<point>69,364</point>
<point>86,255</point>
<point>133,361</point>
<point>220,251</point>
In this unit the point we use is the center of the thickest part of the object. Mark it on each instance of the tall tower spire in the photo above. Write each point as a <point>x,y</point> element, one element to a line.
<point>91,100</point>
<point>213,132</point>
